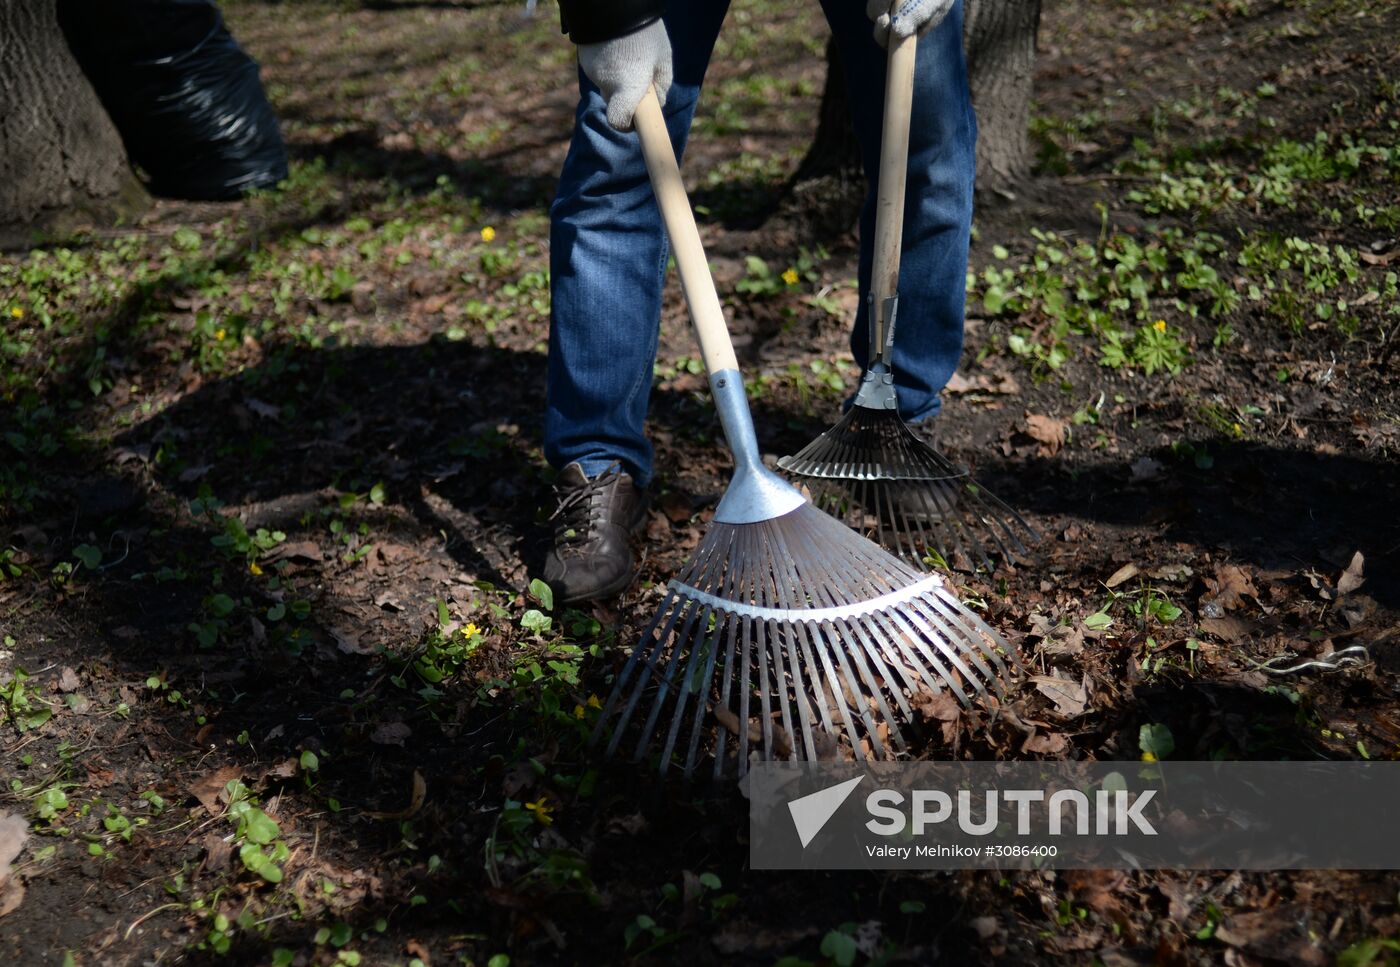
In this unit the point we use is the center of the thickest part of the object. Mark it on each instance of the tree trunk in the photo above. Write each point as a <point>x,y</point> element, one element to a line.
<point>1000,37</point>
<point>826,191</point>
<point>61,160</point>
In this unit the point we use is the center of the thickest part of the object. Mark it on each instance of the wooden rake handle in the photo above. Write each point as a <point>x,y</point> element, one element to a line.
<point>696,281</point>
<point>889,200</point>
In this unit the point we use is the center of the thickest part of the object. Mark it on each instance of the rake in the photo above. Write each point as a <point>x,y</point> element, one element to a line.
<point>793,634</point>
<point>870,469</point>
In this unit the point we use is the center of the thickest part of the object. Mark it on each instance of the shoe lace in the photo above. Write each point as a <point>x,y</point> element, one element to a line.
<point>575,516</point>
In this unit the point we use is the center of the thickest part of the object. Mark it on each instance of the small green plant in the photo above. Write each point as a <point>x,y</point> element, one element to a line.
<point>22,703</point>
<point>260,848</point>
<point>1155,742</point>
<point>535,620</point>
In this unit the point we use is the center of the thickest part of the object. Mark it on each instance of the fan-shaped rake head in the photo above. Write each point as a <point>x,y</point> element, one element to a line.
<point>795,638</point>
<point>873,472</point>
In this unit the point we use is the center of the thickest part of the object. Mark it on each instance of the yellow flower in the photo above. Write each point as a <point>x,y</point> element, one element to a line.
<point>1238,429</point>
<point>16,313</point>
<point>542,811</point>
<point>595,702</point>
<point>254,569</point>
<point>1149,757</point>
<point>1160,325</point>
<point>470,630</point>
<point>578,711</point>
<point>790,276</point>
<point>220,335</point>
<point>488,234</point>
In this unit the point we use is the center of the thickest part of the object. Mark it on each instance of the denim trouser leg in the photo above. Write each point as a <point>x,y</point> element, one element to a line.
<point>607,262</point>
<point>608,247</point>
<point>938,199</point>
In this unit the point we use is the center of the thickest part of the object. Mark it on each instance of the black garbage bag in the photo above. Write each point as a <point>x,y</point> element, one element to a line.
<point>184,96</point>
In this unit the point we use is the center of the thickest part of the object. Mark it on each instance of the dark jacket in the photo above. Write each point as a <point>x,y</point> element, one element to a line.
<point>596,21</point>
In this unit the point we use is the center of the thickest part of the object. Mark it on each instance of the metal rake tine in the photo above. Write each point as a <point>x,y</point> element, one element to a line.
<point>799,696</point>
<point>722,633</point>
<point>999,512</point>
<point>847,657</point>
<point>867,648</point>
<point>710,650</point>
<point>742,740</point>
<point>946,602</point>
<point>838,701</point>
<point>923,657</point>
<point>663,689</point>
<point>781,680</point>
<point>783,644</point>
<point>796,629</point>
<point>946,523</point>
<point>951,642</point>
<point>671,605</point>
<point>897,644</point>
<point>728,635</point>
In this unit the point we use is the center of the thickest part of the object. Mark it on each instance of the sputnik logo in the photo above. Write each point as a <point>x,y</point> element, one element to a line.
<point>811,812</point>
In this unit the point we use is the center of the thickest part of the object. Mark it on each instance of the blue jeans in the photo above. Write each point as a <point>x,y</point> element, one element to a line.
<point>608,248</point>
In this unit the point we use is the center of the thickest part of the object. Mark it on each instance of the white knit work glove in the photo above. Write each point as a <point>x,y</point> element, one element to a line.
<point>625,67</point>
<point>906,17</point>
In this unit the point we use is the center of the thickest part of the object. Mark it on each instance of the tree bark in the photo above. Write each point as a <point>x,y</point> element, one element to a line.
<point>825,192</point>
<point>1000,36</point>
<point>61,160</point>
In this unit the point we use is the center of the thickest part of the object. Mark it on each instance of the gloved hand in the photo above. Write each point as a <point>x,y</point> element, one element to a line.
<point>905,17</point>
<point>625,67</point>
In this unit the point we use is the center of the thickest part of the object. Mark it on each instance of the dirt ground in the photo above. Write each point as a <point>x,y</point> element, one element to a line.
<point>274,688</point>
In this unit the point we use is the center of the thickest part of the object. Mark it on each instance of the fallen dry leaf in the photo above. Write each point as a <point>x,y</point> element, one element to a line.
<point>209,790</point>
<point>1352,578</point>
<point>265,410</point>
<point>985,927</point>
<point>942,708</point>
<point>1096,889</point>
<point>350,643</point>
<point>390,733</point>
<point>415,802</point>
<point>1227,590</point>
<point>1226,627</point>
<point>304,550</point>
<point>676,506</point>
<point>1146,468</point>
<point>13,833</point>
<point>782,742</point>
<point>1070,697</point>
<point>1125,572</point>
<point>68,680</point>
<point>216,852</point>
<point>1047,431</point>
<point>1171,572</point>
<point>518,778</point>
<point>285,769</point>
<point>1373,259</point>
<point>1051,743</point>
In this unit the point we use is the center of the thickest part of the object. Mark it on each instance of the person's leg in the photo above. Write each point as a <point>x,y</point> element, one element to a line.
<point>607,261</point>
<point>938,201</point>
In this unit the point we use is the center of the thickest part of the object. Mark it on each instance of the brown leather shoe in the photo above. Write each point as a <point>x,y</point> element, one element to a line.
<point>593,523</point>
